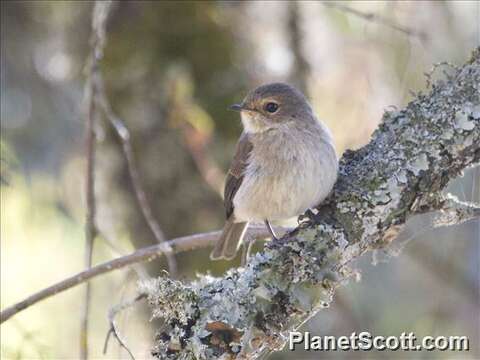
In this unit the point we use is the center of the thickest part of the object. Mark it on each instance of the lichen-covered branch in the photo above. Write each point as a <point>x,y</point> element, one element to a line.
<point>412,156</point>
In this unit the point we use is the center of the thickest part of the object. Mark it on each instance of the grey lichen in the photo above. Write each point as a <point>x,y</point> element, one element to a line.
<point>412,156</point>
<point>169,299</point>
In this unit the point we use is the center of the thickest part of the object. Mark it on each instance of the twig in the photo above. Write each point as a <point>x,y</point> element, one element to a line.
<point>183,110</point>
<point>375,18</point>
<point>302,68</point>
<point>113,327</point>
<point>175,246</point>
<point>206,164</point>
<point>124,136</point>
<point>90,230</point>
<point>455,211</point>
<point>449,209</point>
<point>99,17</point>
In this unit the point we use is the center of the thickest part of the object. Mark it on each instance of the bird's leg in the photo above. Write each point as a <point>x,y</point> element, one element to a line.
<point>270,230</point>
<point>246,249</point>
<point>244,258</point>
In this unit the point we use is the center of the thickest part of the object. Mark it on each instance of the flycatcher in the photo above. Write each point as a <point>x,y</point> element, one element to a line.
<point>285,163</point>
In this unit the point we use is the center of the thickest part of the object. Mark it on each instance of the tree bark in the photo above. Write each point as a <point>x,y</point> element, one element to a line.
<point>412,156</point>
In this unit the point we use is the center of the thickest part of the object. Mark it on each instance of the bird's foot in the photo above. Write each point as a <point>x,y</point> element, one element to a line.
<point>309,215</point>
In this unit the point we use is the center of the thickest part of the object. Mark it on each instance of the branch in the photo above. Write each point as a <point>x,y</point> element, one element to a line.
<point>99,17</point>
<point>378,19</point>
<point>113,326</point>
<point>176,246</point>
<point>455,212</point>
<point>301,70</point>
<point>196,127</point>
<point>206,164</point>
<point>124,135</point>
<point>411,158</point>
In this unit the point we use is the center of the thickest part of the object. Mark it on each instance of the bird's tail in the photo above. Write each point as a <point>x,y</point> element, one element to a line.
<point>228,243</point>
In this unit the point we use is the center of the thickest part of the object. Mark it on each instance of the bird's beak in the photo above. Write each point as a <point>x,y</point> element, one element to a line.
<point>237,107</point>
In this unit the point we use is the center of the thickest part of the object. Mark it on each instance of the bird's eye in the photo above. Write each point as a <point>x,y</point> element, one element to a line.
<point>271,107</point>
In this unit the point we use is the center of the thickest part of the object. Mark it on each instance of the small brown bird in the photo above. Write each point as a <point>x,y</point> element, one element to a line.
<point>285,163</point>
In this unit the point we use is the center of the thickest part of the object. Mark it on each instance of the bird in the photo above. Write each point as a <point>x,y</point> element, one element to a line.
<point>285,164</point>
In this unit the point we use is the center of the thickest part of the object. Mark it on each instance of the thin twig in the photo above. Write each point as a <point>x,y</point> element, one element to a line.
<point>450,210</point>
<point>113,327</point>
<point>206,164</point>
<point>124,136</point>
<point>454,211</point>
<point>378,19</point>
<point>175,246</point>
<point>183,108</point>
<point>302,68</point>
<point>99,18</point>
<point>90,229</point>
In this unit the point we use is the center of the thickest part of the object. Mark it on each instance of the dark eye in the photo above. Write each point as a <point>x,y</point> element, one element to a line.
<point>271,107</point>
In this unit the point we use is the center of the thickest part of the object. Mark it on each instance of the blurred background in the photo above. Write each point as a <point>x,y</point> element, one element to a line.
<point>171,69</point>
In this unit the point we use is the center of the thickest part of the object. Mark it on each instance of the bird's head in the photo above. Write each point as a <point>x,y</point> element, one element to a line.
<point>273,105</point>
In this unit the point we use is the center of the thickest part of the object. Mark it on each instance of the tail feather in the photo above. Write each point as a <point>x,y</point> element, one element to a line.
<point>228,243</point>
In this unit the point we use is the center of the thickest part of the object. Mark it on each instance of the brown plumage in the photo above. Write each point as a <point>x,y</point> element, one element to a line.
<point>226,246</point>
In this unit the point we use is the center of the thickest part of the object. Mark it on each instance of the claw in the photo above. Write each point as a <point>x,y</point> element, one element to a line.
<point>270,230</point>
<point>307,216</point>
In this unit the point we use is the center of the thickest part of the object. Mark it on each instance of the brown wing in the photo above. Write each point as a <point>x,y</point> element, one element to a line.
<point>235,173</point>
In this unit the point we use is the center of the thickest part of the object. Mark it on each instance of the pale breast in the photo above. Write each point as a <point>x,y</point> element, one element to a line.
<point>287,174</point>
